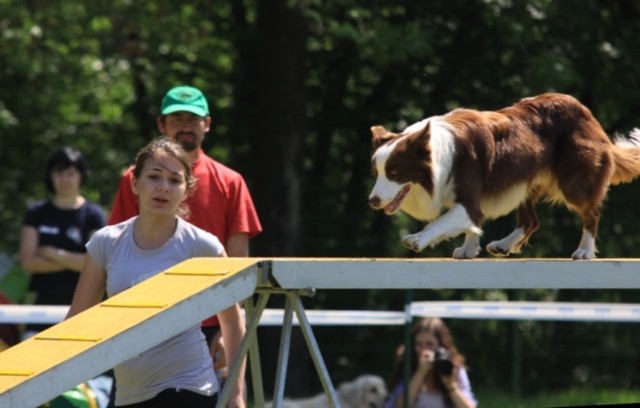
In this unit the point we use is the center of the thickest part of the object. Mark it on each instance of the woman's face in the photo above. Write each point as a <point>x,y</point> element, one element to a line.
<point>162,185</point>
<point>425,341</point>
<point>66,182</point>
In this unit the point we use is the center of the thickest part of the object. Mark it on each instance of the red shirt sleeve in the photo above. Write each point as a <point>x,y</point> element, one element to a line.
<point>244,217</point>
<point>125,204</point>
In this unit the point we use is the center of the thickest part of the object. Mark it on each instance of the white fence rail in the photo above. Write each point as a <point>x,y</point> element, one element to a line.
<point>557,311</point>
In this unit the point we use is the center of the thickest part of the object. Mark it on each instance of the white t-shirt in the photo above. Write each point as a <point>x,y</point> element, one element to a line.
<point>182,361</point>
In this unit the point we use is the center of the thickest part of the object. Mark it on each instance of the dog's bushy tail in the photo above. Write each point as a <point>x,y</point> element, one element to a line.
<point>626,156</point>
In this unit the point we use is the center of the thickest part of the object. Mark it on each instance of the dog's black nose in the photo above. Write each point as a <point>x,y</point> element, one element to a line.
<point>374,202</point>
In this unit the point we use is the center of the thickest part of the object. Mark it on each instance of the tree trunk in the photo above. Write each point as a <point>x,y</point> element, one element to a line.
<point>277,154</point>
<point>280,129</point>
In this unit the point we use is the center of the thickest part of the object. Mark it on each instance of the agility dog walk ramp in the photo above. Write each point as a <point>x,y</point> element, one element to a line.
<point>295,277</point>
<point>92,342</point>
<point>447,273</point>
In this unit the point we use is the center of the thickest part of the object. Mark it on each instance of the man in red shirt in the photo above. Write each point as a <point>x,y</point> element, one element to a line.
<point>221,203</point>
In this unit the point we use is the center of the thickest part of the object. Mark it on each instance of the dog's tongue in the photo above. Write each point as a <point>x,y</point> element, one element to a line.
<point>393,206</point>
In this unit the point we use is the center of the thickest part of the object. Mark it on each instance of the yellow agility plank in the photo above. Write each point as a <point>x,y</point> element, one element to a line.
<point>69,353</point>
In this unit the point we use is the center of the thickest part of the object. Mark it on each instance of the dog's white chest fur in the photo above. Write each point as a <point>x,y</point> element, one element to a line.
<point>419,203</point>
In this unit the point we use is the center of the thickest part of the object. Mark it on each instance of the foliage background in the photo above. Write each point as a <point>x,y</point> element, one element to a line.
<point>294,87</point>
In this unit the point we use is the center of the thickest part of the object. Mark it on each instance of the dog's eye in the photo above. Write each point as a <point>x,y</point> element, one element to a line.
<point>392,173</point>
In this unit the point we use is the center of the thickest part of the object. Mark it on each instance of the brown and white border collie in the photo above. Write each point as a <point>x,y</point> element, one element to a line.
<point>482,165</point>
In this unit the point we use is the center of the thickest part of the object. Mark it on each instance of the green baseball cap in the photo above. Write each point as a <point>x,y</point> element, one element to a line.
<point>185,99</point>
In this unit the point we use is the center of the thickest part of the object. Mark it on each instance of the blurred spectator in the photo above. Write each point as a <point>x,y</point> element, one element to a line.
<point>55,230</point>
<point>439,378</point>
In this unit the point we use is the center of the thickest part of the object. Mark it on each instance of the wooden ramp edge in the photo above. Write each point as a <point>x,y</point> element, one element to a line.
<point>447,273</point>
<point>92,342</point>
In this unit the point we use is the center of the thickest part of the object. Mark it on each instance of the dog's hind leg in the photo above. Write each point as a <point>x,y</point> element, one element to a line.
<point>527,224</point>
<point>587,248</point>
<point>585,192</point>
<point>589,210</point>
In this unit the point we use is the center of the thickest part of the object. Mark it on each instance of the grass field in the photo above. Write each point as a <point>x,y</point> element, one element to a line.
<point>568,398</point>
<point>583,397</point>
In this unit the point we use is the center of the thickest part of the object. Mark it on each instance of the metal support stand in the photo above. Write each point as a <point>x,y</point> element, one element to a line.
<point>254,358</point>
<point>247,341</point>
<point>249,344</point>
<point>321,368</point>
<point>283,354</point>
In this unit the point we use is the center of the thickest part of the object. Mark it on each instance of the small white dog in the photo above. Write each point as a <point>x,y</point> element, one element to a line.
<point>366,391</point>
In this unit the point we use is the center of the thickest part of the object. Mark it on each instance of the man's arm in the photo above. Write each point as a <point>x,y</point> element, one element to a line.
<point>238,245</point>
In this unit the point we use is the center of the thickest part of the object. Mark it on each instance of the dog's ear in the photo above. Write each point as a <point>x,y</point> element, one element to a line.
<point>380,136</point>
<point>422,136</point>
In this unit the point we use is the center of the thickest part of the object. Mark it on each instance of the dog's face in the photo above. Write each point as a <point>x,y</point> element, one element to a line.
<point>374,392</point>
<point>399,162</point>
<point>366,391</point>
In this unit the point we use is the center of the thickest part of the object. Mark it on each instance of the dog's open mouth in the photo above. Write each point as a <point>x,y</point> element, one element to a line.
<point>394,205</point>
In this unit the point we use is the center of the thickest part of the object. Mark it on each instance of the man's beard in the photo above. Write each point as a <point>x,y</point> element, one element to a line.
<point>188,146</point>
<point>189,143</point>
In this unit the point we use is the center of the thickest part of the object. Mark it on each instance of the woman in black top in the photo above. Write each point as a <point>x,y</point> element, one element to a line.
<point>55,230</point>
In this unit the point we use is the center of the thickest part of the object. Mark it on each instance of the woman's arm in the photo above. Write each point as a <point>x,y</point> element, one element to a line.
<point>90,288</point>
<point>30,259</point>
<point>460,391</point>
<point>425,364</point>
<point>460,399</point>
<point>64,259</point>
<point>46,258</point>
<point>414,388</point>
<point>233,330</point>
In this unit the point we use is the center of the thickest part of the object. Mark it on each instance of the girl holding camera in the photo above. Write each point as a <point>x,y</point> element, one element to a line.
<point>439,378</point>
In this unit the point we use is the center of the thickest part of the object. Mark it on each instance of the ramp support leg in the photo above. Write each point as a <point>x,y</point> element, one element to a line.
<point>312,344</point>
<point>249,338</point>
<point>254,358</point>
<point>283,354</point>
<point>249,344</point>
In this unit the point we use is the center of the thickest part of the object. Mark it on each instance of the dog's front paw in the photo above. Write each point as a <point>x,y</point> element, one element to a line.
<point>412,241</point>
<point>466,253</point>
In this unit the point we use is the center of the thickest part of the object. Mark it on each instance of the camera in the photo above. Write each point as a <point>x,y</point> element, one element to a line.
<point>442,362</point>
